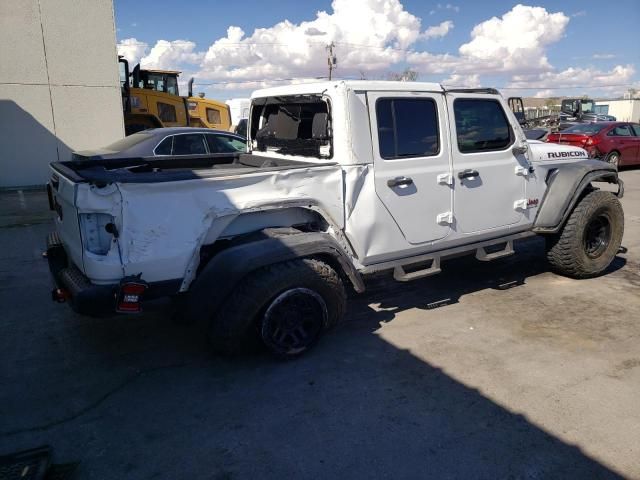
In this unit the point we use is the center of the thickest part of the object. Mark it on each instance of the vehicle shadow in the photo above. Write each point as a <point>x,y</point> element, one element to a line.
<point>141,397</point>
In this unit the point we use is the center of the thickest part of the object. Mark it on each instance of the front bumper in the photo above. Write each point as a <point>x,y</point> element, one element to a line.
<point>85,297</point>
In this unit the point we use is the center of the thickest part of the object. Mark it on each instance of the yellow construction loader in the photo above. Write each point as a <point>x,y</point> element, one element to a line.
<point>150,99</point>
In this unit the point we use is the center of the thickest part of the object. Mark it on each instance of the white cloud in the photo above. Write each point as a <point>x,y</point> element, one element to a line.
<point>544,94</point>
<point>437,31</point>
<point>603,56</point>
<point>374,37</point>
<point>167,55</point>
<point>369,35</point>
<point>132,49</point>
<point>462,81</point>
<point>580,13</point>
<point>571,80</point>
<point>517,39</point>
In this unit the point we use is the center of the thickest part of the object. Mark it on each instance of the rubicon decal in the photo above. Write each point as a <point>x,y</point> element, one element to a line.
<point>565,154</point>
<point>532,202</point>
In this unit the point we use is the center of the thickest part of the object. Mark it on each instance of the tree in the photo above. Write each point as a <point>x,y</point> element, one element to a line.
<point>407,75</point>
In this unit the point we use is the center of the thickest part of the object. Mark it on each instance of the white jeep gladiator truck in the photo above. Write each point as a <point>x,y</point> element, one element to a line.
<point>340,180</point>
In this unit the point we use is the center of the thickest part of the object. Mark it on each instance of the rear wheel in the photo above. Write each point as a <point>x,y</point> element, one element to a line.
<point>289,305</point>
<point>613,158</point>
<point>590,239</point>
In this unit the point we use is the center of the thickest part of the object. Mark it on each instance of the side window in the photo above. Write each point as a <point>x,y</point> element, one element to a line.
<point>166,112</point>
<point>172,85</point>
<point>636,129</point>
<point>407,127</point>
<point>213,116</point>
<point>164,147</point>
<point>224,144</point>
<point>189,144</point>
<point>481,125</point>
<point>621,131</point>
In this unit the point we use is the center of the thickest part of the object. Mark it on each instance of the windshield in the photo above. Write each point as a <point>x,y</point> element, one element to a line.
<point>587,128</point>
<point>587,106</point>
<point>292,125</point>
<point>127,142</point>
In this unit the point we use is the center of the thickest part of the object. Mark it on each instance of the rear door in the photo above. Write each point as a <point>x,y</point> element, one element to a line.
<point>636,130</point>
<point>623,140</point>
<point>412,163</point>
<point>489,177</point>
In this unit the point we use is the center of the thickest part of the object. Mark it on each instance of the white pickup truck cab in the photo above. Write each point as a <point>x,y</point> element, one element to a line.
<point>341,179</point>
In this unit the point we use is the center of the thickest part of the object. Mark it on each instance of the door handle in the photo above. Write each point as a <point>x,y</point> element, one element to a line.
<point>468,173</point>
<point>399,182</point>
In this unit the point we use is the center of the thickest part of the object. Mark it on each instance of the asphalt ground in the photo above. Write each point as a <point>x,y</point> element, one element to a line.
<point>497,370</point>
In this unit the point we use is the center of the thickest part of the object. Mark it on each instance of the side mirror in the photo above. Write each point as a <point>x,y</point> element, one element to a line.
<point>520,149</point>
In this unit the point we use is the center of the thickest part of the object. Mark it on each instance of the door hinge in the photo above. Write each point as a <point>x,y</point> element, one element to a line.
<point>445,179</point>
<point>524,171</point>
<point>520,204</point>
<point>445,218</point>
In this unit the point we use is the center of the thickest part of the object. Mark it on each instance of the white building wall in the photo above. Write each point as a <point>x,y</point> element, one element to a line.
<point>59,84</point>
<point>623,110</point>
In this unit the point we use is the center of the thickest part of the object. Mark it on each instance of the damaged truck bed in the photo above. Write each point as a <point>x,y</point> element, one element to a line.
<point>341,179</point>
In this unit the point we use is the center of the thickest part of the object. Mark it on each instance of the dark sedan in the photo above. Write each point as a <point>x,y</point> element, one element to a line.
<point>614,142</point>
<point>168,141</point>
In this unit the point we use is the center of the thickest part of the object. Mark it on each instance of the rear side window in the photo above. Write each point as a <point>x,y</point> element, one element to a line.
<point>189,144</point>
<point>164,147</point>
<point>621,131</point>
<point>636,129</point>
<point>166,112</point>
<point>407,127</point>
<point>224,144</point>
<point>481,125</point>
<point>213,116</point>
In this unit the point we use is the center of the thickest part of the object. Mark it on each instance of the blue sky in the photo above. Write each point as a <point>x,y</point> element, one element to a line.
<point>582,47</point>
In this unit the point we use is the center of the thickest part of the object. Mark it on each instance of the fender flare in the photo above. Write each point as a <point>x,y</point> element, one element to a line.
<point>566,186</point>
<point>223,272</point>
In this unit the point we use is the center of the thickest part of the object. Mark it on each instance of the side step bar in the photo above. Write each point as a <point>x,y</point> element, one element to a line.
<point>400,275</point>
<point>399,266</point>
<point>483,256</point>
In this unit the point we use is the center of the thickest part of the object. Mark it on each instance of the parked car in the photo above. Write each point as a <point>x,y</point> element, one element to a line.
<point>175,141</point>
<point>615,142</point>
<point>340,182</point>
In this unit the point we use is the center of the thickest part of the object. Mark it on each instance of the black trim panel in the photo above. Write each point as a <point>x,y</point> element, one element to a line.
<point>565,188</point>
<point>227,268</point>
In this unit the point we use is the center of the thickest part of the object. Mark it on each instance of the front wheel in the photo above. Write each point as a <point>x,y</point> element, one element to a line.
<point>613,158</point>
<point>590,239</point>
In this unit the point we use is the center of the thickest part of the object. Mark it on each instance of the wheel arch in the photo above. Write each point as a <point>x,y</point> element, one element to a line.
<point>230,265</point>
<point>566,186</point>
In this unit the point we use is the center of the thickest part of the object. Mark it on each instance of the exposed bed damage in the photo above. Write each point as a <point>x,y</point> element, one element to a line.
<point>319,170</point>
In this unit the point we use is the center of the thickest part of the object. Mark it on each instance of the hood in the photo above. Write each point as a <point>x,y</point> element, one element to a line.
<point>553,152</point>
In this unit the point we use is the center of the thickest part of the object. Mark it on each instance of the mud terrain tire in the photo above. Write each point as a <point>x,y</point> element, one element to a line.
<point>590,239</point>
<point>289,305</point>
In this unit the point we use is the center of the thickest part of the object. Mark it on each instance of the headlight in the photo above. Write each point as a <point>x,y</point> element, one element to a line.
<point>95,237</point>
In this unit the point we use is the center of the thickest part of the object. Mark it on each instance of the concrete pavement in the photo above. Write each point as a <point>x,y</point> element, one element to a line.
<point>498,370</point>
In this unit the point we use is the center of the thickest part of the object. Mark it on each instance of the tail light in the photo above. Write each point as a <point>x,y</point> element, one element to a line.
<point>130,296</point>
<point>591,141</point>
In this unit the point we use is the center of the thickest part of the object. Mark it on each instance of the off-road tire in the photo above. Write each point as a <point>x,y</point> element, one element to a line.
<point>613,158</point>
<point>241,317</point>
<point>572,252</point>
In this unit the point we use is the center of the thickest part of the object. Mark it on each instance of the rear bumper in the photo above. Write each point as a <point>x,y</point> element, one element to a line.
<point>85,297</point>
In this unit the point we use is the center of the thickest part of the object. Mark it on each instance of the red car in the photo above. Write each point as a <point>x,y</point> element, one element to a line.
<point>615,142</point>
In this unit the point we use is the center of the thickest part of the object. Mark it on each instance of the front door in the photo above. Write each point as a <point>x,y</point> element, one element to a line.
<point>412,162</point>
<point>489,177</point>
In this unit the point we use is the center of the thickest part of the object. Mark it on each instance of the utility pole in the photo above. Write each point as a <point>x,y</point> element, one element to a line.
<point>332,61</point>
